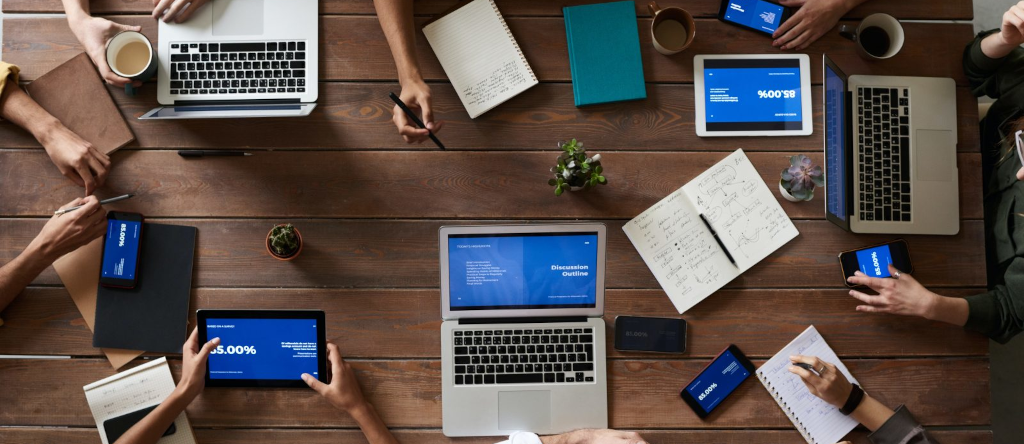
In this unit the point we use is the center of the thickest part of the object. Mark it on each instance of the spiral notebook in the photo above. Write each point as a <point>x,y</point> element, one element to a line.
<point>818,421</point>
<point>480,55</point>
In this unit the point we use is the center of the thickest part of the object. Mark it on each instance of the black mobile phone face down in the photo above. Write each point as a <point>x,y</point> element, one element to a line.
<point>874,260</point>
<point>716,381</point>
<point>759,15</point>
<point>121,247</point>
<point>663,335</point>
<point>115,427</point>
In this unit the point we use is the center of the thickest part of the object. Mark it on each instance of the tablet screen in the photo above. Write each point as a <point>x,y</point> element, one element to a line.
<point>752,95</point>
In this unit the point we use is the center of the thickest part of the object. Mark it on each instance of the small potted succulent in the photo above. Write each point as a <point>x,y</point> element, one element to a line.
<point>284,242</point>
<point>575,171</point>
<point>800,178</point>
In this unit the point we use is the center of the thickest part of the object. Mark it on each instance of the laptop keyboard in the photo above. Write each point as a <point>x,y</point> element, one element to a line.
<point>529,356</point>
<point>884,153</point>
<point>199,69</point>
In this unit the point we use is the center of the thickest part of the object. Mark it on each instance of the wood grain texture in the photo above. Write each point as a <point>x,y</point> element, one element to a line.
<point>36,435</point>
<point>403,254</point>
<point>390,184</point>
<point>395,324</point>
<point>354,48</point>
<point>642,394</point>
<point>907,9</point>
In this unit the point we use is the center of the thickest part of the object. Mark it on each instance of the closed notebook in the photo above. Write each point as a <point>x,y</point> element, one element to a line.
<point>604,53</point>
<point>480,56</point>
<point>153,316</point>
<point>75,94</point>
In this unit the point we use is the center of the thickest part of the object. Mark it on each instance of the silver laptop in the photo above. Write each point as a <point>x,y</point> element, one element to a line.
<point>890,153</point>
<point>239,58</point>
<point>523,339</point>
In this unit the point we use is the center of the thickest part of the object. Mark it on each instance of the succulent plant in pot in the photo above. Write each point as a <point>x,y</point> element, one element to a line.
<point>575,170</point>
<point>284,242</point>
<point>799,179</point>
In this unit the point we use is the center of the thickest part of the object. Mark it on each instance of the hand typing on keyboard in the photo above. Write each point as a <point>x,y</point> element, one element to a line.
<point>177,10</point>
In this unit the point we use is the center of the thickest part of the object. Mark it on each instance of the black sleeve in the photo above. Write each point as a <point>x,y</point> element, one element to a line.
<point>901,428</point>
<point>988,76</point>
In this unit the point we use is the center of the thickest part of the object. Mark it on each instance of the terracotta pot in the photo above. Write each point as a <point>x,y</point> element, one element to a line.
<point>274,255</point>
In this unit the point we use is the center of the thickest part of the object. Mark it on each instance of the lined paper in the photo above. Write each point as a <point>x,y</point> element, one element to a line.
<point>817,420</point>
<point>480,56</point>
<point>135,389</point>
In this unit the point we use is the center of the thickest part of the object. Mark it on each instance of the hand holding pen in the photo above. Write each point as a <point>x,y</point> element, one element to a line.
<point>405,118</point>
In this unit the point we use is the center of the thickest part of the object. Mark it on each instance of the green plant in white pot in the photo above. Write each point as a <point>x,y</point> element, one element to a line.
<point>800,178</point>
<point>574,170</point>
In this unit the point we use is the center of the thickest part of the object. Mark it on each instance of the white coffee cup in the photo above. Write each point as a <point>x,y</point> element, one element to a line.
<point>130,55</point>
<point>879,36</point>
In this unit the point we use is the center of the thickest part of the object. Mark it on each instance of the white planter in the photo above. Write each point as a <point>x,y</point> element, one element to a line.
<point>786,195</point>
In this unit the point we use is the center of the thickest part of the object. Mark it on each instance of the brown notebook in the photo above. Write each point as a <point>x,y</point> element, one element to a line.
<point>75,94</point>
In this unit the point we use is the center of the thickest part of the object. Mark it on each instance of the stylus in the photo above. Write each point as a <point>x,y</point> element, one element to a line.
<point>416,120</point>
<point>102,202</point>
<point>718,239</point>
<point>202,153</point>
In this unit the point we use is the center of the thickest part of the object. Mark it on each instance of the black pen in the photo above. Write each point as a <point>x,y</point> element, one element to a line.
<point>415,119</point>
<point>717,239</point>
<point>203,153</point>
<point>807,367</point>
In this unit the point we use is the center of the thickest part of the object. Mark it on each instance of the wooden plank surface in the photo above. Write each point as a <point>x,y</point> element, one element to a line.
<point>642,394</point>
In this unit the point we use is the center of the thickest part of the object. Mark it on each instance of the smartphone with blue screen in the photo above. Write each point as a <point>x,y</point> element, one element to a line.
<point>758,15</point>
<point>122,247</point>
<point>716,381</point>
<point>874,260</point>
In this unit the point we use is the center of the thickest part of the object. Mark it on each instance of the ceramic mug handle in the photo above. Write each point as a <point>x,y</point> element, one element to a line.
<point>653,8</point>
<point>848,31</point>
<point>129,89</point>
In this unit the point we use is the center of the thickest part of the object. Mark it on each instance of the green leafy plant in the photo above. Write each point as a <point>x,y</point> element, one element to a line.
<point>283,240</point>
<point>575,169</point>
<point>800,178</point>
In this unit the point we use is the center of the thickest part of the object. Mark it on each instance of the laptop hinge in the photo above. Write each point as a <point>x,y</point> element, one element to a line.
<point>849,126</point>
<point>236,102</point>
<point>561,319</point>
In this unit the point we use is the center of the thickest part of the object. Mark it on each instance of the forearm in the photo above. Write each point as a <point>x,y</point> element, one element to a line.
<point>994,47</point>
<point>152,427</point>
<point>18,273</point>
<point>949,310</point>
<point>871,413</point>
<point>374,429</point>
<point>399,29</point>
<point>565,438</point>
<point>17,107</point>
<point>76,9</point>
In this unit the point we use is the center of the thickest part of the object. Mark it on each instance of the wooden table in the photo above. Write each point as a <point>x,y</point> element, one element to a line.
<point>369,207</point>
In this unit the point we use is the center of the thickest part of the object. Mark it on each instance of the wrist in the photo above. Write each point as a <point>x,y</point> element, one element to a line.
<point>43,127</point>
<point>360,411</point>
<point>411,77</point>
<point>182,396</point>
<point>40,251</point>
<point>76,17</point>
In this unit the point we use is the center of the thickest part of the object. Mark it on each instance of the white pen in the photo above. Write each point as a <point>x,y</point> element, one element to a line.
<point>102,202</point>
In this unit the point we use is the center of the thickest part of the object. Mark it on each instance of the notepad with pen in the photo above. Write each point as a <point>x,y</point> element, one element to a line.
<point>707,233</point>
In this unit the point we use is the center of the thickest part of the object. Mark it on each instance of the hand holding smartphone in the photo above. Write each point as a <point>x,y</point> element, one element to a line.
<point>874,261</point>
<point>122,245</point>
<point>758,15</point>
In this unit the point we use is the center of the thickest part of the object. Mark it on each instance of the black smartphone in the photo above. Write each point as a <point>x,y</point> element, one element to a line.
<point>759,15</point>
<point>115,427</point>
<point>661,335</point>
<point>716,381</point>
<point>874,260</point>
<point>122,246</point>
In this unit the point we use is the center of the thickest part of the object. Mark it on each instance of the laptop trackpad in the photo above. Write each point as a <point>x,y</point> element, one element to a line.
<point>934,162</point>
<point>237,17</point>
<point>529,410</point>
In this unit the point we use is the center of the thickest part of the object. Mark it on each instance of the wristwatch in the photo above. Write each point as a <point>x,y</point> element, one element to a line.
<point>856,396</point>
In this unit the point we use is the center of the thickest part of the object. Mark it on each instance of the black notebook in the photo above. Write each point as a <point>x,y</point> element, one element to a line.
<point>153,316</point>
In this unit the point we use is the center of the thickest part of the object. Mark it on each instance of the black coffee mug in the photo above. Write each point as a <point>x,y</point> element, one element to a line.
<point>879,36</point>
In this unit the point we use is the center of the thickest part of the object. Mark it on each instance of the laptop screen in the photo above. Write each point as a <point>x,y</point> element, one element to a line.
<point>522,271</point>
<point>835,143</point>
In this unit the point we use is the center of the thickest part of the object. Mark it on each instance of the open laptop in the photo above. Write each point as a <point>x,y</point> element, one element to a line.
<point>239,58</point>
<point>890,153</point>
<point>523,339</point>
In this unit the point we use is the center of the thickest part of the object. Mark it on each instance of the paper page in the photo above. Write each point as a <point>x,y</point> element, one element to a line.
<point>480,56</point>
<point>822,422</point>
<point>680,251</point>
<point>135,389</point>
<point>741,208</point>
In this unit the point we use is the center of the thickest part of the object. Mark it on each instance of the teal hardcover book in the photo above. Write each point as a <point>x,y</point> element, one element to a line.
<point>604,53</point>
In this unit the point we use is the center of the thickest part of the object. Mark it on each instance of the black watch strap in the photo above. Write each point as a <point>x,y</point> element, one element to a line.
<point>856,396</point>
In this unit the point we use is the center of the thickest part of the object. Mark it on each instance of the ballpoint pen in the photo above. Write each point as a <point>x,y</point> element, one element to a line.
<point>102,202</point>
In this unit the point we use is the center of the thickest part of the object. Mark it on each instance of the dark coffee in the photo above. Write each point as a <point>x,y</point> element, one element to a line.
<point>875,41</point>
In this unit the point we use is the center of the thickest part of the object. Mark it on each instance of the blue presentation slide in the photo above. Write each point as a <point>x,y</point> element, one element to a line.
<point>754,94</point>
<point>760,15</point>
<point>263,348</point>
<point>835,143</point>
<point>717,381</point>
<point>874,262</point>
<point>523,271</point>
<point>121,249</point>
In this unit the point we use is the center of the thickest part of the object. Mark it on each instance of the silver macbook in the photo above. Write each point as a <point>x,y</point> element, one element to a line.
<point>523,339</point>
<point>890,153</point>
<point>239,58</point>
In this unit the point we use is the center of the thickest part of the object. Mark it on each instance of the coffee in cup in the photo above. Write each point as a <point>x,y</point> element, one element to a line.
<point>672,29</point>
<point>879,36</point>
<point>130,55</point>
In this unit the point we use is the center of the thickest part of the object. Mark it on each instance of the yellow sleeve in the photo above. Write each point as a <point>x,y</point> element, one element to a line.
<point>8,72</point>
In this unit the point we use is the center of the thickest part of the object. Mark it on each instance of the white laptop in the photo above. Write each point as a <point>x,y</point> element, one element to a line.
<point>523,339</point>
<point>239,58</point>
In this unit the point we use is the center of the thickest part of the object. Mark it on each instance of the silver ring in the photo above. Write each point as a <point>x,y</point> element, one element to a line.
<point>897,275</point>
<point>821,371</point>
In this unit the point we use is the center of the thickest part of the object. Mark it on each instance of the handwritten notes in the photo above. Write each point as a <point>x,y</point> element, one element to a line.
<point>480,56</point>
<point>680,249</point>
<point>135,389</point>
<point>817,420</point>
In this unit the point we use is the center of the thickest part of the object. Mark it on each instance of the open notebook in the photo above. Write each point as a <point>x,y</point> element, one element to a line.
<point>480,56</point>
<point>680,249</point>
<point>818,421</point>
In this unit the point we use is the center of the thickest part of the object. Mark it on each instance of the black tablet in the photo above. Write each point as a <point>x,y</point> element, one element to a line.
<point>264,348</point>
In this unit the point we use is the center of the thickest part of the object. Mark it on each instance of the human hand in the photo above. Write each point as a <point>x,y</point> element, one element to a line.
<point>93,33</point>
<point>416,95</point>
<point>178,10</point>
<point>343,392</point>
<point>1012,29</point>
<point>830,385</point>
<point>594,436</point>
<point>903,296</point>
<point>809,23</point>
<point>193,366</point>
<point>76,158</point>
<point>65,233</point>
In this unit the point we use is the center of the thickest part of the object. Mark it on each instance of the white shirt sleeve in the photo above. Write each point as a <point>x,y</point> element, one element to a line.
<point>522,438</point>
